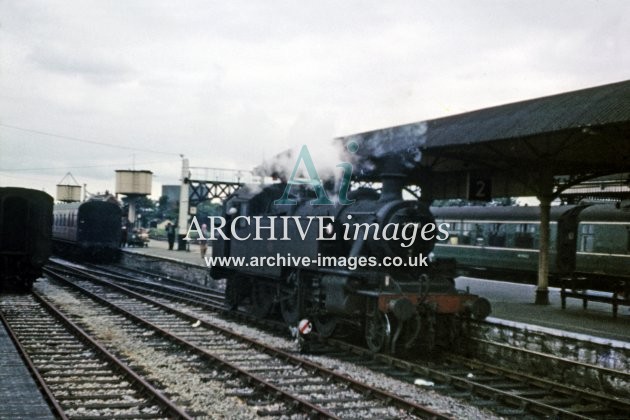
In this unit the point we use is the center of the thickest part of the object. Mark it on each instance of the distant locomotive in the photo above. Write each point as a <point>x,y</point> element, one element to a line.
<point>90,230</point>
<point>396,308</point>
<point>25,236</point>
<point>588,243</point>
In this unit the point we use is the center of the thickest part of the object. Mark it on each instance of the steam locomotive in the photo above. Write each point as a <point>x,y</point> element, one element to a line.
<point>25,236</point>
<point>357,266</point>
<point>87,231</point>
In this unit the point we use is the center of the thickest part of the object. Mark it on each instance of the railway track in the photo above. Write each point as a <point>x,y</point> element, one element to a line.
<point>505,391</point>
<point>276,380</point>
<point>79,377</point>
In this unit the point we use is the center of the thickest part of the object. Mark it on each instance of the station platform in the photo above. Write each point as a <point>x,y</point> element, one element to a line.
<point>20,398</point>
<point>510,301</point>
<point>158,248</point>
<point>515,302</point>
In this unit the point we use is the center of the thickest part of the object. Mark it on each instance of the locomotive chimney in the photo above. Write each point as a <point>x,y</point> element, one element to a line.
<point>393,184</point>
<point>392,178</point>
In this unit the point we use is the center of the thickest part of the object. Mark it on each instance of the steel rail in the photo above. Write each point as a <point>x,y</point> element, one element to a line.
<point>563,360</point>
<point>486,390</point>
<point>572,391</point>
<point>161,278</point>
<point>215,360</point>
<point>207,297</point>
<point>345,380</point>
<point>512,399</point>
<point>41,383</point>
<point>146,388</point>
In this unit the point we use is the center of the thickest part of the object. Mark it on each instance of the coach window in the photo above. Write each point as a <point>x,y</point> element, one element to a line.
<point>496,236</point>
<point>456,232</point>
<point>587,237</point>
<point>610,239</point>
<point>525,235</point>
<point>467,236</point>
<point>453,232</point>
<point>482,232</point>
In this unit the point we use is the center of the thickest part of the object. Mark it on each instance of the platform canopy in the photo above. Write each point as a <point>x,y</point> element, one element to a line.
<point>518,147</point>
<point>539,147</point>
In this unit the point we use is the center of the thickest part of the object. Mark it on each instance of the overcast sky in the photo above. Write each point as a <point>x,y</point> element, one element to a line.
<point>226,83</point>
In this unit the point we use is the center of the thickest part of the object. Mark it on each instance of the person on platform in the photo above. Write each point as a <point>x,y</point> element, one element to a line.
<point>124,233</point>
<point>203,242</point>
<point>170,235</point>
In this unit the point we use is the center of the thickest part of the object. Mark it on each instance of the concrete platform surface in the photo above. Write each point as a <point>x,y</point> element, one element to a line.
<point>160,249</point>
<point>515,302</point>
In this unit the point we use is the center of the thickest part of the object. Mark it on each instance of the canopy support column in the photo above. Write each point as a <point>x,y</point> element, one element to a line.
<point>542,291</point>
<point>545,196</point>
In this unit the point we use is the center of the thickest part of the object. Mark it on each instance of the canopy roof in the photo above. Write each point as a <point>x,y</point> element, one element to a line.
<point>577,134</point>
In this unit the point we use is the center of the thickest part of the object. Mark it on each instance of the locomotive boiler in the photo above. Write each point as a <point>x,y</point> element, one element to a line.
<point>364,266</point>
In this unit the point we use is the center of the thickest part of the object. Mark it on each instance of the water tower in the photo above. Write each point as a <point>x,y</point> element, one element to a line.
<point>68,193</point>
<point>133,184</point>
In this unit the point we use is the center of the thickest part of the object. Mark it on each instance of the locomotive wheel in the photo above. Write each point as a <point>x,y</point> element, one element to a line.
<point>325,325</point>
<point>262,299</point>
<point>408,335</point>
<point>377,331</point>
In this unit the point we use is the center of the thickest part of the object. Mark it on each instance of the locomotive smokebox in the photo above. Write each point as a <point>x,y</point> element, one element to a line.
<point>402,308</point>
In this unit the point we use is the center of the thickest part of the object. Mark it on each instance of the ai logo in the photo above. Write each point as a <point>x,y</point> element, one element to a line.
<point>314,180</point>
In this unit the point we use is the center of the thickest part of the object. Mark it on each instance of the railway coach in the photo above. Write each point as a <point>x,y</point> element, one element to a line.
<point>88,231</point>
<point>25,236</point>
<point>589,243</point>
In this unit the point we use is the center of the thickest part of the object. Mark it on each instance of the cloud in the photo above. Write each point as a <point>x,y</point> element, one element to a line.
<point>228,83</point>
<point>95,67</point>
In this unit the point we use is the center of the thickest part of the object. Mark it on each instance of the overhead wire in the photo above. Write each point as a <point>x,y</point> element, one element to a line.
<point>77,139</point>
<point>79,167</point>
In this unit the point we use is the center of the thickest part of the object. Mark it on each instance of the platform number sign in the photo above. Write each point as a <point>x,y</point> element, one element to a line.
<point>479,189</point>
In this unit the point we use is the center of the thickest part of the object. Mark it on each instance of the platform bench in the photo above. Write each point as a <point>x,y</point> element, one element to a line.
<point>612,298</point>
